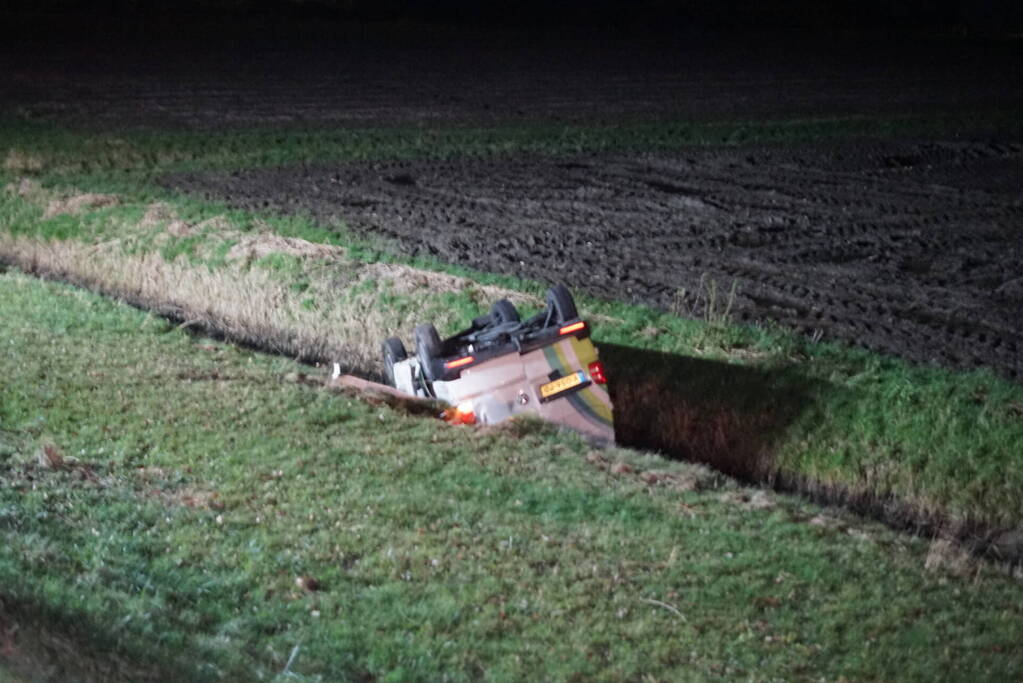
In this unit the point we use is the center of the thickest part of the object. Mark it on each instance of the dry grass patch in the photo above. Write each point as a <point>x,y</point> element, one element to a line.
<point>27,189</point>
<point>159,215</point>
<point>79,203</point>
<point>946,555</point>
<point>406,280</point>
<point>315,304</point>
<point>623,463</point>
<point>20,161</point>
<point>319,306</point>
<point>57,203</point>
<point>749,499</point>
<point>155,480</point>
<point>254,247</point>
<point>164,220</point>
<point>247,305</point>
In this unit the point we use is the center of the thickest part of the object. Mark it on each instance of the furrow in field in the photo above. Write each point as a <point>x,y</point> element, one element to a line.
<point>914,258</point>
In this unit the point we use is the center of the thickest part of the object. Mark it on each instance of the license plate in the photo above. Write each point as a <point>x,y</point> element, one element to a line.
<point>561,385</point>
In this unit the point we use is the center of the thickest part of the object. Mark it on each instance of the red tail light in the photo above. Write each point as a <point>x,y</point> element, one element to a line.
<point>459,362</point>
<point>597,375</point>
<point>574,327</point>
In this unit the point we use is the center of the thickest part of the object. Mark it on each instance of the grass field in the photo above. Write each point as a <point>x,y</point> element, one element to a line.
<point>171,499</point>
<point>927,447</point>
<point>180,502</point>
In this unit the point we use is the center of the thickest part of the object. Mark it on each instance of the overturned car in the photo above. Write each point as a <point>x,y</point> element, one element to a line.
<point>502,366</point>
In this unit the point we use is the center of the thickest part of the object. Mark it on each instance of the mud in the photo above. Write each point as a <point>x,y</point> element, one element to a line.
<point>910,248</point>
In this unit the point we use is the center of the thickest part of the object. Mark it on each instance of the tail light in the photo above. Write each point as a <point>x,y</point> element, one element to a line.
<point>597,375</point>
<point>459,362</point>
<point>574,327</point>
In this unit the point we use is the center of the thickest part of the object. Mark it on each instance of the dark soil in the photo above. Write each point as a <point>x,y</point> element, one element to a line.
<point>909,248</point>
<point>370,75</point>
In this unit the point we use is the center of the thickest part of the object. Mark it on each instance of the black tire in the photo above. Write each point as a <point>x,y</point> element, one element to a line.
<point>561,304</point>
<point>428,348</point>
<point>394,352</point>
<point>503,311</point>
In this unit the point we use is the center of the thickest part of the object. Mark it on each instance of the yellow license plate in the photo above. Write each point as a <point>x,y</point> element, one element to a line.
<point>561,384</point>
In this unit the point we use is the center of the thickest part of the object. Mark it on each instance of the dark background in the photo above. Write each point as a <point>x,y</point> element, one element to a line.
<point>1000,17</point>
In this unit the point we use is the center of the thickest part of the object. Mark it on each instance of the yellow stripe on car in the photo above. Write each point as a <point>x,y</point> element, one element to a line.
<point>585,353</point>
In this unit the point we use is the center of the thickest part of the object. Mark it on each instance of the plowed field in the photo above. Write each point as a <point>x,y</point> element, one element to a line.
<point>910,248</point>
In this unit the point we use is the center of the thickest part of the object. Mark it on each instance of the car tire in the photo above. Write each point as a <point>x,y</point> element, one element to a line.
<point>504,311</point>
<point>428,348</point>
<point>394,352</point>
<point>561,304</point>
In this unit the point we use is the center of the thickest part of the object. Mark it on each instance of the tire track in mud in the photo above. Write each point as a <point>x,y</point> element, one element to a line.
<point>910,248</point>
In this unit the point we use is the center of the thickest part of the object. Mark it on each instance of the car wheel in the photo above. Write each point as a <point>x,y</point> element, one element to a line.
<point>428,348</point>
<point>561,304</point>
<point>504,311</point>
<point>394,352</point>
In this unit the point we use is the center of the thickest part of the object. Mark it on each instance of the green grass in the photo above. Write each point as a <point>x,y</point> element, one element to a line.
<point>756,402</point>
<point>198,484</point>
<point>126,156</point>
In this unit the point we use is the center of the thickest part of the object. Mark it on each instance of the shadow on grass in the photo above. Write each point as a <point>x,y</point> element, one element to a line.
<point>726,416</point>
<point>732,418</point>
<point>41,643</point>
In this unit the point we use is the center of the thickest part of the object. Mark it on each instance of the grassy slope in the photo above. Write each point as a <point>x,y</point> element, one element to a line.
<point>755,402</point>
<point>197,486</point>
